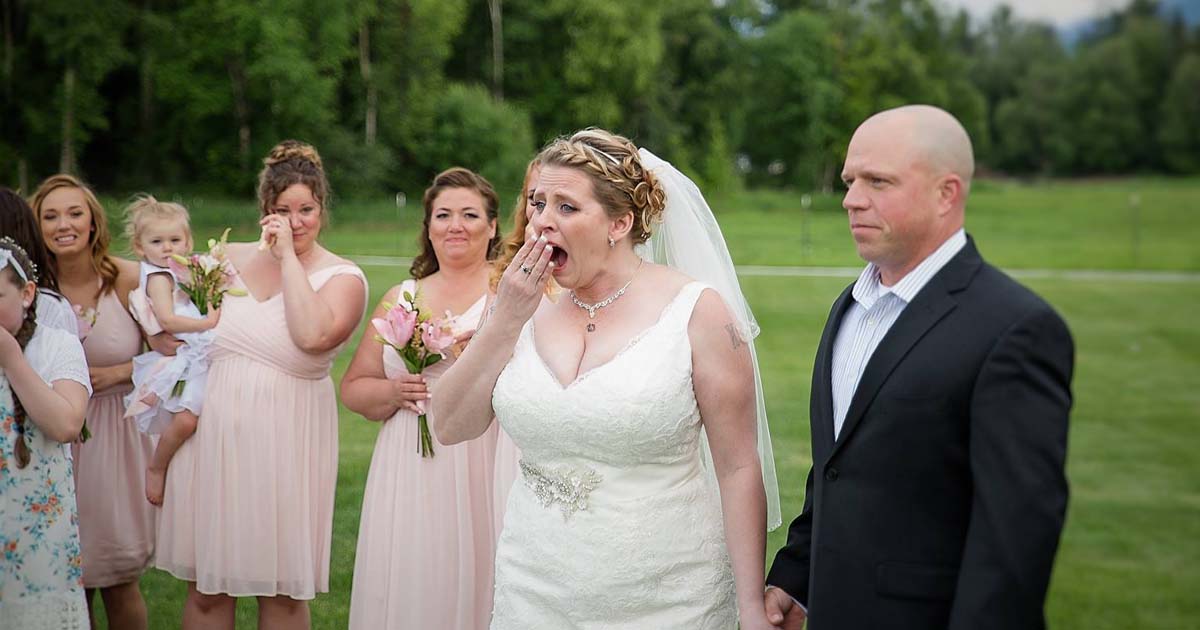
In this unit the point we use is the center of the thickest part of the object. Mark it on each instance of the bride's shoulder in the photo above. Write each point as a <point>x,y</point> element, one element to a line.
<point>666,279</point>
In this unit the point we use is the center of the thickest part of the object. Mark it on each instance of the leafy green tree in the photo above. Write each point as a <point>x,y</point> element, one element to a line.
<point>82,45</point>
<point>472,129</point>
<point>795,129</point>
<point>236,78</point>
<point>1179,133</point>
<point>1101,110</point>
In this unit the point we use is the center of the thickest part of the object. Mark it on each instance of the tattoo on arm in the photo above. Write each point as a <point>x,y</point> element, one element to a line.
<point>735,336</point>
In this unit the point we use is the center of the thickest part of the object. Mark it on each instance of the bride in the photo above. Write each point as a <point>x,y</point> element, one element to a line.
<point>634,400</point>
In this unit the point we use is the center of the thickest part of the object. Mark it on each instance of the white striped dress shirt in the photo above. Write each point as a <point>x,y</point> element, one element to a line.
<point>876,307</point>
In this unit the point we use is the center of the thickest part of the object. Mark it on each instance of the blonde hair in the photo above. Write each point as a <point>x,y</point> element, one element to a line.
<point>99,238</point>
<point>145,208</point>
<point>619,180</point>
<point>512,243</point>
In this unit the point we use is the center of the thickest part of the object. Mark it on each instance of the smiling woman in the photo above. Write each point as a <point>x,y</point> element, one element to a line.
<point>426,539</point>
<point>116,524</point>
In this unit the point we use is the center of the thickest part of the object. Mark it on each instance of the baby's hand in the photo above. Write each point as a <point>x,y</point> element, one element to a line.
<point>210,320</point>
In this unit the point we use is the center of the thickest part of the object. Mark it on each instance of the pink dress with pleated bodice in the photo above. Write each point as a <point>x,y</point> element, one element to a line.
<point>249,497</point>
<point>425,539</point>
<point>116,523</point>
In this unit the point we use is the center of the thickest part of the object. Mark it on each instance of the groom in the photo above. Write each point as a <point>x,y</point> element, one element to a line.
<point>939,407</point>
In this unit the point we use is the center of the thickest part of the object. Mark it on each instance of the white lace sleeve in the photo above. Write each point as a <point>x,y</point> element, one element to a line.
<point>57,355</point>
<point>54,311</point>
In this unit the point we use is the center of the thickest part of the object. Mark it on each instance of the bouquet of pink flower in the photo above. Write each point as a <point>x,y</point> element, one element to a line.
<point>421,342</point>
<point>206,278</point>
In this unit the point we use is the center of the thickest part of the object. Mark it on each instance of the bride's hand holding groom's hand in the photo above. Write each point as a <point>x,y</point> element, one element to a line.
<point>521,287</point>
<point>782,611</point>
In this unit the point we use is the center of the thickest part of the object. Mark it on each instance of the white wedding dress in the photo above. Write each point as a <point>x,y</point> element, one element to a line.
<point>613,523</point>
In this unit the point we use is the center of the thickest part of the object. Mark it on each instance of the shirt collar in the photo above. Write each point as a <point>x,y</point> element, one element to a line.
<point>868,288</point>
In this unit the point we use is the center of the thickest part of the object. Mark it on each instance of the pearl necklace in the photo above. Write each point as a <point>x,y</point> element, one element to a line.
<point>592,308</point>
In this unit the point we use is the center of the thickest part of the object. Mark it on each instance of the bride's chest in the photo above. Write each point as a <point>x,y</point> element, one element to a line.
<point>637,406</point>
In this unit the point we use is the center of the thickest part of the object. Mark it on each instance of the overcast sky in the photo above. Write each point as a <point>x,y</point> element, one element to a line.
<point>1057,12</point>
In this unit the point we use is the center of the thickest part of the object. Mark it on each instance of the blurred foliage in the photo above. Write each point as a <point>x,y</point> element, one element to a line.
<point>189,95</point>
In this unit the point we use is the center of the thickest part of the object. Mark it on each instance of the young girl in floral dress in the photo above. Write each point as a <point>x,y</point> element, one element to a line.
<point>44,388</point>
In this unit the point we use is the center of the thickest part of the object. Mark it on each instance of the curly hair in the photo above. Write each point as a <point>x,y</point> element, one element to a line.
<point>100,239</point>
<point>512,242</point>
<point>23,335</point>
<point>426,263</point>
<point>293,162</point>
<point>621,183</point>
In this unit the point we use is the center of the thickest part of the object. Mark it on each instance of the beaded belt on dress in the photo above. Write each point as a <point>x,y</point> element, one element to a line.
<point>572,487</point>
<point>566,485</point>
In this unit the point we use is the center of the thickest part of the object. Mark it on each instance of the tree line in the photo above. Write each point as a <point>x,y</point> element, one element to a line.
<point>143,94</point>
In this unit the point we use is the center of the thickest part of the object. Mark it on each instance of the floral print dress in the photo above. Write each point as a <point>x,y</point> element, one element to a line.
<point>41,569</point>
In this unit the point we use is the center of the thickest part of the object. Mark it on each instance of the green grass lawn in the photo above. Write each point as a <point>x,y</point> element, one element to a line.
<point>1130,556</point>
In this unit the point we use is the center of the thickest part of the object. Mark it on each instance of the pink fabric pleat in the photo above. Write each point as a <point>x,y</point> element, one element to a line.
<point>116,523</point>
<point>249,500</point>
<point>425,543</point>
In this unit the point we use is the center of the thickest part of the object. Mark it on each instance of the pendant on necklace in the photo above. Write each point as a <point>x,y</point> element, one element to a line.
<point>591,327</point>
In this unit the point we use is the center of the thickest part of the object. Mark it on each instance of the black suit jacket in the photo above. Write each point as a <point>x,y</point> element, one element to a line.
<point>941,502</point>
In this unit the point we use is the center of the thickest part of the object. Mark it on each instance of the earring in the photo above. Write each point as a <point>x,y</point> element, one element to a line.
<point>25,304</point>
<point>611,242</point>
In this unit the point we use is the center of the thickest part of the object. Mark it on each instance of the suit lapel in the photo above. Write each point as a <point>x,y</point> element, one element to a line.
<point>930,305</point>
<point>822,407</point>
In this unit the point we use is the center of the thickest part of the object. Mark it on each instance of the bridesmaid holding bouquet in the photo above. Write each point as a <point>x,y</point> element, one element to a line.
<point>425,544</point>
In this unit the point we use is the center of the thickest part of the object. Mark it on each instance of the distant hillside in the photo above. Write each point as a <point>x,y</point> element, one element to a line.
<point>1189,9</point>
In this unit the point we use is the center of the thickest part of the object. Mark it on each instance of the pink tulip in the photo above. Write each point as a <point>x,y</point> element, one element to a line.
<point>396,326</point>
<point>437,337</point>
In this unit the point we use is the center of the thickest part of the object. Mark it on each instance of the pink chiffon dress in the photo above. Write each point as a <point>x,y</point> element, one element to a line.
<point>425,539</point>
<point>248,509</point>
<point>116,523</point>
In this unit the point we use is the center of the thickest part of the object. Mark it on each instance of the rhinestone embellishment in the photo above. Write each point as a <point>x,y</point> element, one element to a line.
<point>569,486</point>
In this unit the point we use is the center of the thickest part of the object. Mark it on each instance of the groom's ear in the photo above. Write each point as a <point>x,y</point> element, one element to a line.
<point>951,193</point>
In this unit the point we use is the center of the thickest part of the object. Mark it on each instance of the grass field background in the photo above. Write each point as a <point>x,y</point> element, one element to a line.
<point>1130,555</point>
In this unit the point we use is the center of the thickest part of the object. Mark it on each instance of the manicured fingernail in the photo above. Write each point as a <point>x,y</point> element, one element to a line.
<point>550,248</point>
<point>551,264</point>
<point>542,238</point>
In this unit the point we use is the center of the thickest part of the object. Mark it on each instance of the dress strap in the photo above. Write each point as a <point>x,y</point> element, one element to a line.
<point>319,277</point>
<point>679,311</point>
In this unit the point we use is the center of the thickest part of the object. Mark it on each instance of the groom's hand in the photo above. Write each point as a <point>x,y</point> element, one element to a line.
<point>782,610</point>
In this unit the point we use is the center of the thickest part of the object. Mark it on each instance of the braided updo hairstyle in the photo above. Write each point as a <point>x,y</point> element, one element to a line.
<point>619,180</point>
<point>23,335</point>
<point>293,162</point>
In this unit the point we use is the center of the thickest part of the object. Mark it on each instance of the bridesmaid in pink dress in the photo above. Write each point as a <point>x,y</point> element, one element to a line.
<point>248,510</point>
<point>425,542</point>
<point>116,524</point>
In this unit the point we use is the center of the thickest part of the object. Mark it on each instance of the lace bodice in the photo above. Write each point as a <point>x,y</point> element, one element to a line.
<point>637,408</point>
<point>612,522</point>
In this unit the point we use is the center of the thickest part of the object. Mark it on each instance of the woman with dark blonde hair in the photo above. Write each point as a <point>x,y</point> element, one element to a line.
<point>425,543</point>
<point>610,393</point>
<point>248,508</point>
<point>116,524</point>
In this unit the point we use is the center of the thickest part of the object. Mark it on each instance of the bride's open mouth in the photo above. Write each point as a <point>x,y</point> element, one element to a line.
<point>559,257</point>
